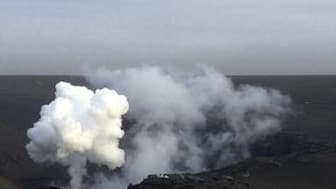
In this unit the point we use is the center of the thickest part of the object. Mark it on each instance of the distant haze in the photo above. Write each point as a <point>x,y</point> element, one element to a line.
<point>234,36</point>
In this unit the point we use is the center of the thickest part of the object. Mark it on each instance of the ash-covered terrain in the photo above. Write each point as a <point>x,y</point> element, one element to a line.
<point>301,155</point>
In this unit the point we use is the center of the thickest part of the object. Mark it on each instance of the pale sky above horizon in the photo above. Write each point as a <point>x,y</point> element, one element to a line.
<point>235,36</point>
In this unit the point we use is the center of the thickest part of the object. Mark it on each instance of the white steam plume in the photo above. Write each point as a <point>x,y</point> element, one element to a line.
<point>79,126</point>
<point>188,122</point>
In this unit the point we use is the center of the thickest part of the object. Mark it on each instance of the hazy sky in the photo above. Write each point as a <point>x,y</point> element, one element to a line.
<point>236,36</point>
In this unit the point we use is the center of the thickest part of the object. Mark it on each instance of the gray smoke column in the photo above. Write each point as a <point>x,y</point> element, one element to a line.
<point>188,121</point>
<point>80,125</point>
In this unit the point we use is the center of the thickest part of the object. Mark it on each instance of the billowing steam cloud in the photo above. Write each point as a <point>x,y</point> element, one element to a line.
<point>191,122</point>
<point>79,126</point>
<point>177,122</point>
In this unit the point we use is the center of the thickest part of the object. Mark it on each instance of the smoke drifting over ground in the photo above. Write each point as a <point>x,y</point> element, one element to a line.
<point>79,126</point>
<point>177,122</point>
<point>187,122</point>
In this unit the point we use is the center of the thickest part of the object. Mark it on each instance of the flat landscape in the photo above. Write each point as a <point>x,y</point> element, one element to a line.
<point>302,155</point>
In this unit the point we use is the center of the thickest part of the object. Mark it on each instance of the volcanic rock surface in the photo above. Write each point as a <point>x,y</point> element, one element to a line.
<point>294,162</point>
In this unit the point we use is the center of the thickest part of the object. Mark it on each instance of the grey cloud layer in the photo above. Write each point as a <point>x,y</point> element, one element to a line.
<point>54,36</point>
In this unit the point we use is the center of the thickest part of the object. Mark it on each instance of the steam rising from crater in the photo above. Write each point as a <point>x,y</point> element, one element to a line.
<point>79,126</point>
<point>187,121</point>
<point>177,122</point>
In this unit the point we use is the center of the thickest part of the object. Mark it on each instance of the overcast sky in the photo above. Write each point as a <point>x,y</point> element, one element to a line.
<point>236,36</point>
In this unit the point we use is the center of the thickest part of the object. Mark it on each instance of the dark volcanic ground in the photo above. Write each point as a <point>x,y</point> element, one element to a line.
<point>302,163</point>
<point>303,155</point>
